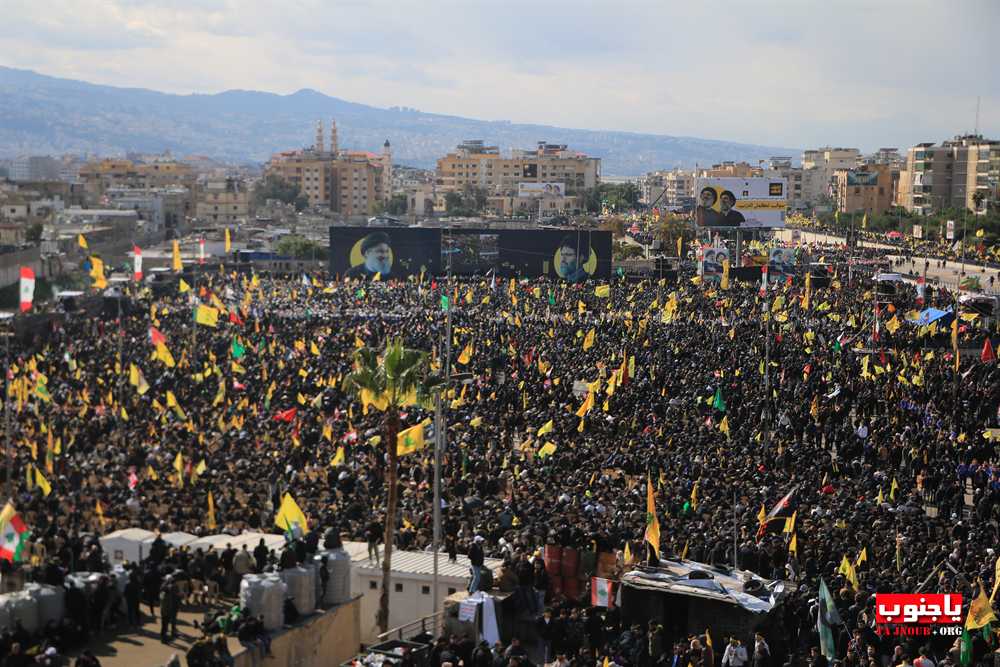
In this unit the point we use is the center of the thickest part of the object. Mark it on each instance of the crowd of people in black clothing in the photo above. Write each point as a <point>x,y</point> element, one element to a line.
<point>865,422</point>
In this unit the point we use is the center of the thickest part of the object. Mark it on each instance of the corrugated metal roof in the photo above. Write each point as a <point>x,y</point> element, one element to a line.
<point>715,583</point>
<point>416,562</point>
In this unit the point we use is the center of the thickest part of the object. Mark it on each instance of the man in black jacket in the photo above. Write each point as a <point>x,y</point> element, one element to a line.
<point>476,560</point>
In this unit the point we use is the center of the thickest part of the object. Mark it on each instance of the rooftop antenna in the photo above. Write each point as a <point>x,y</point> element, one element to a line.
<point>976,131</point>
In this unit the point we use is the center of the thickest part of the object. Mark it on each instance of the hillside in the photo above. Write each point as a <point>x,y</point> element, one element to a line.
<point>41,114</point>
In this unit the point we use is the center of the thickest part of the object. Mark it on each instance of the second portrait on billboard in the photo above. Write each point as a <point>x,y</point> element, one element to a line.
<point>570,262</point>
<point>740,202</point>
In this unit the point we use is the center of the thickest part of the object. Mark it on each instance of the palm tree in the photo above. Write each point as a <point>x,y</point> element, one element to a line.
<point>398,378</point>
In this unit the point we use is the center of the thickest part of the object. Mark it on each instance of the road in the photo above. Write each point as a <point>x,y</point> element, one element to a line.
<point>947,275</point>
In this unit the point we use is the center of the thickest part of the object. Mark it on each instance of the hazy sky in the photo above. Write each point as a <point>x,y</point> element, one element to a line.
<point>791,73</point>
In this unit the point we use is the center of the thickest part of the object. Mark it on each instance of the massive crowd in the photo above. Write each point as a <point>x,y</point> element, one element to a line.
<point>865,429</point>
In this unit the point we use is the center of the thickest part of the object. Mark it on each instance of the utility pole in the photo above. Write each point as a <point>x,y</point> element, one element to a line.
<point>736,546</point>
<point>121,374</point>
<point>440,442</point>
<point>6,410</point>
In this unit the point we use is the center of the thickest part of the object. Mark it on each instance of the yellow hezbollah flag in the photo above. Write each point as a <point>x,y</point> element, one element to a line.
<point>848,571</point>
<point>207,316</point>
<point>183,286</point>
<point>229,241</point>
<point>82,242</point>
<point>980,611</point>
<point>42,483</point>
<point>588,341</point>
<point>548,449</point>
<point>546,428</point>
<point>179,467</point>
<point>177,264</point>
<point>410,440</point>
<point>210,521</point>
<point>466,354</point>
<point>97,273</point>
<point>338,458</point>
<point>290,517</point>
<point>602,291</point>
<point>652,523</point>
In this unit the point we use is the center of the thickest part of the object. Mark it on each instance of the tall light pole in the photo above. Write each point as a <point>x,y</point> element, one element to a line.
<point>6,409</point>
<point>440,443</point>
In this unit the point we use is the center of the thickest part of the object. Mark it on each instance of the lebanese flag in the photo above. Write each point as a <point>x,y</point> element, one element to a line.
<point>201,251</point>
<point>27,288</point>
<point>137,261</point>
<point>13,534</point>
<point>601,593</point>
<point>985,356</point>
<point>156,336</point>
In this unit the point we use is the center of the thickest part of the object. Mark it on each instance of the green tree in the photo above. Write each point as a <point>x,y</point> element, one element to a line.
<point>34,233</point>
<point>454,204</point>
<point>396,379</point>
<point>397,204</point>
<point>300,247</point>
<point>275,187</point>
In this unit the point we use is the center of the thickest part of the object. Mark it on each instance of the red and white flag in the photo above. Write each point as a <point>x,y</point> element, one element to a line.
<point>201,251</point>
<point>137,262</point>
<point>601,592</point>
<point>27,288</point>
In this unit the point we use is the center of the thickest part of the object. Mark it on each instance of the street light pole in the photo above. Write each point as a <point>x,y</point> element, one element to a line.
<point>440,442</point>
<point>6,412</point>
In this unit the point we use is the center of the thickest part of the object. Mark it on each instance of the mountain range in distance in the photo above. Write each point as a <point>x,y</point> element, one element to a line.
<point>41,115</point>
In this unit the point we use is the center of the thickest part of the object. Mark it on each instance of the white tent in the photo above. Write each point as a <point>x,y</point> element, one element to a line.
<point>271,541</point>
<point>128,544</point>
<point>176,540</point>
<point>210,542</point>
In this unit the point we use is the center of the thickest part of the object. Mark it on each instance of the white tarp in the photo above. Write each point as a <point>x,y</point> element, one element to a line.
<point>176,540</point>
<point>674,576</point>
<point>128,544</point>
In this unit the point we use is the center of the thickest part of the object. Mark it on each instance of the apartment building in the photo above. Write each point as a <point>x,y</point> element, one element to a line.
<point>350,183</point>
<point>729,169</point>
<point>100,175</point>
<point>963,173</point>
<point>672,190</point>
<point>159,209</point>
<point>473,164</point>
<point>819,166</point>
<point>870,189</point>
<point>224,202</point>
<point>34,168</point>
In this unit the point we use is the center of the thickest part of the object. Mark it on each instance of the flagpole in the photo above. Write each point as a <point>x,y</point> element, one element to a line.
<point>440,442</point>
<point>735,539</point>
<point>121,372</point>
<point>6,412</point>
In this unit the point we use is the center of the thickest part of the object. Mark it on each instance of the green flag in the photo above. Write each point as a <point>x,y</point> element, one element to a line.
<point>238,350</point>
<point>965,657</point>
<point>445,302</point>
<point>825,620</point>
<point>718,402</point>
<point>552,298</point>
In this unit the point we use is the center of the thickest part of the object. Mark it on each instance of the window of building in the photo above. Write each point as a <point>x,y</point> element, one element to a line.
<point>399,588</point>
<point>426,590</point>
<point>372,585</point>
